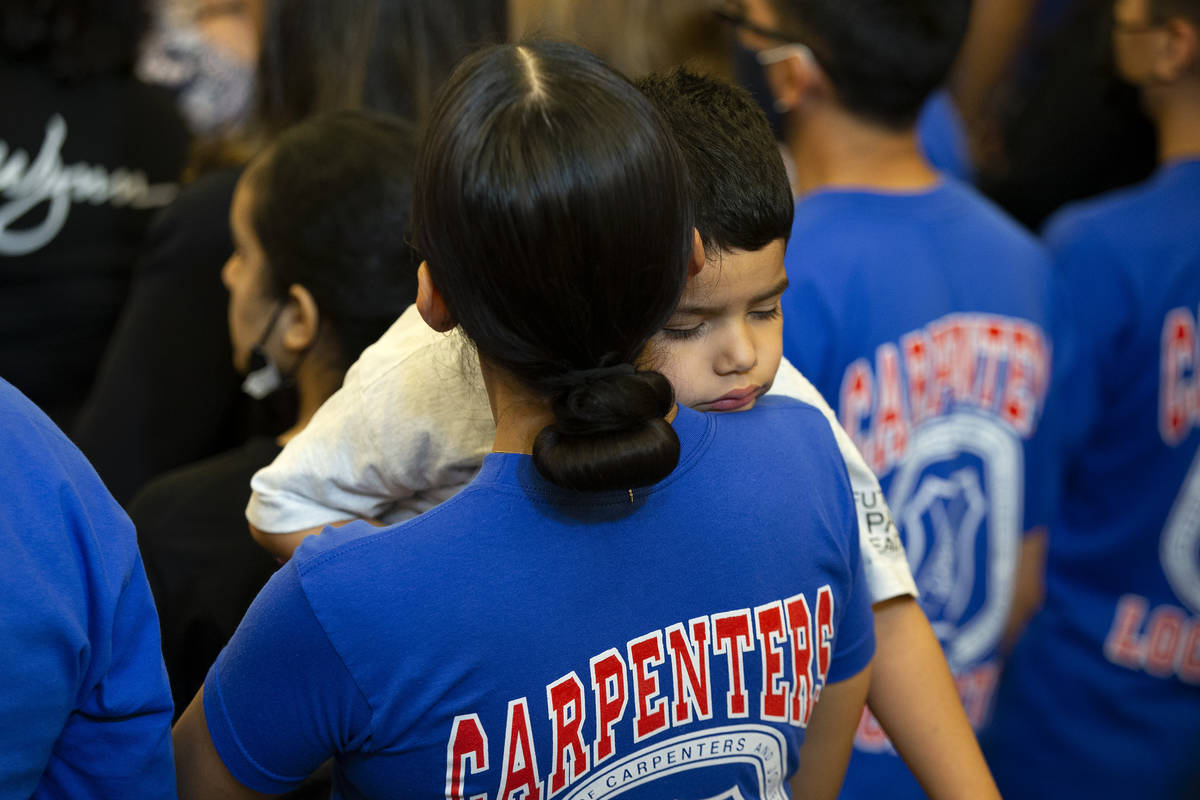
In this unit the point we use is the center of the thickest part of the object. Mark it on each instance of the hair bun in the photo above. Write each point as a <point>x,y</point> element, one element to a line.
<point>609,430</point>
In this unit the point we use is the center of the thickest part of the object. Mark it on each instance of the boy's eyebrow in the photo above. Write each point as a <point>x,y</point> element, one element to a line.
<point>777,289</point>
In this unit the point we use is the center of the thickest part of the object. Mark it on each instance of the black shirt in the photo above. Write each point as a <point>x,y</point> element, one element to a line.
<point>204,568</point>
<point>84,166</point>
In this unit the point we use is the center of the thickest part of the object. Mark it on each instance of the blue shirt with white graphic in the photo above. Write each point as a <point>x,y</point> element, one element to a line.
<point>1102,695</point>
<point>523,638</point>
<point>925,319</point>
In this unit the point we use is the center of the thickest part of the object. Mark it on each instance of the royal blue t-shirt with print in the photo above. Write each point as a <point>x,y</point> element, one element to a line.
<point>524,640</point>
<point>925,319</point>
<point>1102,695</point>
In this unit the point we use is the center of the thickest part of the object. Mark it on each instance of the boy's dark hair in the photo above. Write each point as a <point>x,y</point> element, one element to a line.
<point>740,191</point>
<point>332,209</point>
<point>884,59</point>
<point>73,38</point>
<point>553,207</point>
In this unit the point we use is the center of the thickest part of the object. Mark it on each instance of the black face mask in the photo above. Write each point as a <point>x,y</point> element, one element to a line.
<point>752,76</point>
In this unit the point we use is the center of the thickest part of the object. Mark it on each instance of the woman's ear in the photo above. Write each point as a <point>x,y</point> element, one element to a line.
<point>300,320</point>
<point>696,261</point>
<point>430,305</point>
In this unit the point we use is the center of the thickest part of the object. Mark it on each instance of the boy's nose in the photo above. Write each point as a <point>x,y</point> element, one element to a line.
<point>738,353</point>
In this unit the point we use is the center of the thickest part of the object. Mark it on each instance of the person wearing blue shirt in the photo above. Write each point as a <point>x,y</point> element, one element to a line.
<point>1102,694</point>
<point>631,597</point>
<point>925,317</point>
<point>85,710</point>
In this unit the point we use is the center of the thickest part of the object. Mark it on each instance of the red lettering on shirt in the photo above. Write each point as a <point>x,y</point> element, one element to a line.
<point>650,716</point>
<point>1178,393</point>
<point>466,751</point>
<point>564,698</point>
<point>1163,643</point>
<point>520,761</point>
<point>989,362</point>
<point>771,634</point>
<point>800,626</point>
<point>608,684</point>
<point>916,348</point>
<point>824,631</point>
<point>689,659</point>
<point>731,635</point>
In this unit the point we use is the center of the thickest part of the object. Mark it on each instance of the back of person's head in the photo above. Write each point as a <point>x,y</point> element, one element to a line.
<point>552,207</point>
<point>883,59</point>
<point>332,211</point>
<point>741,196</point>
<point>382,55</point>
<point>73,38</point>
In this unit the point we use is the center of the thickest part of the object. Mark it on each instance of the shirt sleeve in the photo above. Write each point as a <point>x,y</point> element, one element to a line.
<point>279,701</point>
<point>885,563</point>
<point>854,642</point>
<point>410,422</point>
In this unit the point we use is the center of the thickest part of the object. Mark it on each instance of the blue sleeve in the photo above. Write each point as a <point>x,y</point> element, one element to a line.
<point>85,710</point>
<point>279,701</point>
<point>855,641</point>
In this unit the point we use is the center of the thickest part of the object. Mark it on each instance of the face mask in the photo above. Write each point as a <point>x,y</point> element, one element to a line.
<point>265,377</point>
<point>752,76</point>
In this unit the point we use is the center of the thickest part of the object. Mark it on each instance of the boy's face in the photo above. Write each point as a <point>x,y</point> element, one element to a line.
<point>722,346</point>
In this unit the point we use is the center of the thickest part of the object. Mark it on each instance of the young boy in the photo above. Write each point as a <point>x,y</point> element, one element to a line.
<point>1101,697</point>
<point>411,424</point>
<point>924,316</point>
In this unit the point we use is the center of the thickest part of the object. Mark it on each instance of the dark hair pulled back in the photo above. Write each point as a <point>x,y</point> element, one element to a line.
<point>332,204</point>
<point>552,205</point>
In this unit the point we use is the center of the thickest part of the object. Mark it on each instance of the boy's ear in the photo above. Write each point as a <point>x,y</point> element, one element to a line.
<point>430,305</point>
<point>301,319</point>
<point>696,261</point>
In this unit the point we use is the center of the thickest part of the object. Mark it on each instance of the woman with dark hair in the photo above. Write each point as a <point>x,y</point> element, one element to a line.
<point>322,267</point>
<point>167,394</point>
<point>87,155</point>
<point>631,598</point>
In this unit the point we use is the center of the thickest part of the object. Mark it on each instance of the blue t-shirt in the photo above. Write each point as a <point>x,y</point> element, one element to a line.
<point>520,637</point>
<point>85,710</point>
<point>1102,695</point>
<point>925,320</point>
<point>943,136</point>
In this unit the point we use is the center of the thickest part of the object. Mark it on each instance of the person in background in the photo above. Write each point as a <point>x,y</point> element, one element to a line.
<point>168,394</point>
<point>637,38</point>
<point>85,710</point>
<point>1060,89</point>
<point>926,319</point>
<point>88,154</point>
<point>205,51</point>
<point>321,267</point>
<point>1101,697</point>
<point>610,534</point>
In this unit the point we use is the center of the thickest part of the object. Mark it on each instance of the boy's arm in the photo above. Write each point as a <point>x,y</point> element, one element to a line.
<point>830,738</point>
<point>411,418</point>
<point>913,696</point>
